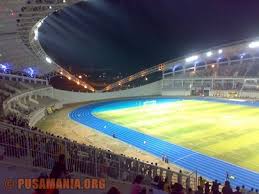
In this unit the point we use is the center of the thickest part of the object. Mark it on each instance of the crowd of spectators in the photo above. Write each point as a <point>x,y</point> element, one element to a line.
<point>44,148</point>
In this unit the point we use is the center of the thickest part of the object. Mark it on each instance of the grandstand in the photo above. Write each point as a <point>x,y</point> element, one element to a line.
<point>227,71</point>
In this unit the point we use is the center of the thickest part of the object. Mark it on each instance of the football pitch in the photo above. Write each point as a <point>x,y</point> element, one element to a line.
<point>225,131</point>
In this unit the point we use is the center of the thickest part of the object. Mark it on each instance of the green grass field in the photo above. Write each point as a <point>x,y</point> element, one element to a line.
<point>225,131</point>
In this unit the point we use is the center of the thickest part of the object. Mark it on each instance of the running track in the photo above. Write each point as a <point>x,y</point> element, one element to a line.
<point>206,166</point>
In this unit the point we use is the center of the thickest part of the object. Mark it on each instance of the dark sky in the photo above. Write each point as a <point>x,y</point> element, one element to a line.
<point>129,35</point>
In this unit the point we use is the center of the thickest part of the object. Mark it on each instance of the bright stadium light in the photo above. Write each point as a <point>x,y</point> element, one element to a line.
<point>31,71</point>
<point>242,55</point>
<point>48,60</point>
<point>36,34</point>
<point>39,24</point>
<point>254,44</point>
<point>220,51</point>
<point>209,54</point>
<point>192,58</point>
<point>3,67</point>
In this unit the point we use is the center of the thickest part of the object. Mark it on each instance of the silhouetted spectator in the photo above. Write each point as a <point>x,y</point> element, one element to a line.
<point>215,187</point>
<point>189,191</point>
<point>59,169</point>
<point>177,189</point>
<point>113,190</point>
<point>166,186</point>
<point>243,190</point>
<point>179,178</point>
<point>227,188</point>
<point>199,190</point>
<point>207,188</point>
<point>202,182</point>
<point>237,191</point>
<point>251,191</point>
<point>136,187</point>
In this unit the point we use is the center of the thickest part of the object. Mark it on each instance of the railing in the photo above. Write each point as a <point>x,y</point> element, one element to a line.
<point>31,149</point>
<point>18,78</point>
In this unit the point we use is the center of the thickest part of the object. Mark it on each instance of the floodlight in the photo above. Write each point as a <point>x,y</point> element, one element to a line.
<point>209,54</point>
<point>48,60</point>
<point>192,58</point>
<point>3,67</point>
<point>36,34</point>
<point>254,44</point>
<point>220,51</point>
<point>242,55</point>
<point>31,71</point>
<point>39,24</point>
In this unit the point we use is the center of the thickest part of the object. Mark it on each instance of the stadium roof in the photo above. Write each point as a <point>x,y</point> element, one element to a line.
<point>20,48</point>
<point>18,51</point>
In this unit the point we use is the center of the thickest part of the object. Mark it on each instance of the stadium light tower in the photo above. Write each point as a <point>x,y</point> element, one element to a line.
<point>254,44</point>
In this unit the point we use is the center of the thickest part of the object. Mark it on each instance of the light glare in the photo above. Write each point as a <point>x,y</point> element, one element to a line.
<point>254,44</point>
<point>209,54</point>
<point>48,60</point>
<point>192,58</point>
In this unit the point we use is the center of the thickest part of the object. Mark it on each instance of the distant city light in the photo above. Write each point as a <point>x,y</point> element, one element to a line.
<point>61,73</point>
<point>78,83</point>
<point>220,51</point>
<point>80,76</point>
<point>64,1</point>
<point>69,78</point>
<point>192,58</point>
<point>50,7</point>
<point>209,54</point>
<point>85,87</point>
<point>48,60</point>
<point>146,78</point>
<point>254,44</point>
<point>212,65</point>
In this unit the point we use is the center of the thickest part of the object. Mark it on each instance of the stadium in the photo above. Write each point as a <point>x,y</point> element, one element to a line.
<point>189,120</point>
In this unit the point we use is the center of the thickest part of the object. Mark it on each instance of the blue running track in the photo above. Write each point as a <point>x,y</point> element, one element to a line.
<point>206,166</point>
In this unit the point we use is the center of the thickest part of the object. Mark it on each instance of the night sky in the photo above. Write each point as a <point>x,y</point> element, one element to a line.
<point>130,35</point>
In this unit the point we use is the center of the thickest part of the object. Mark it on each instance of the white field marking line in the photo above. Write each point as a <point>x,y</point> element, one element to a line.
<point>184,157</point>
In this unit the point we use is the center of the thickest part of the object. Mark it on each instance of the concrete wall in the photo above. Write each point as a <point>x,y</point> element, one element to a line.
<point>176,93</point>
<point>67,97</point>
